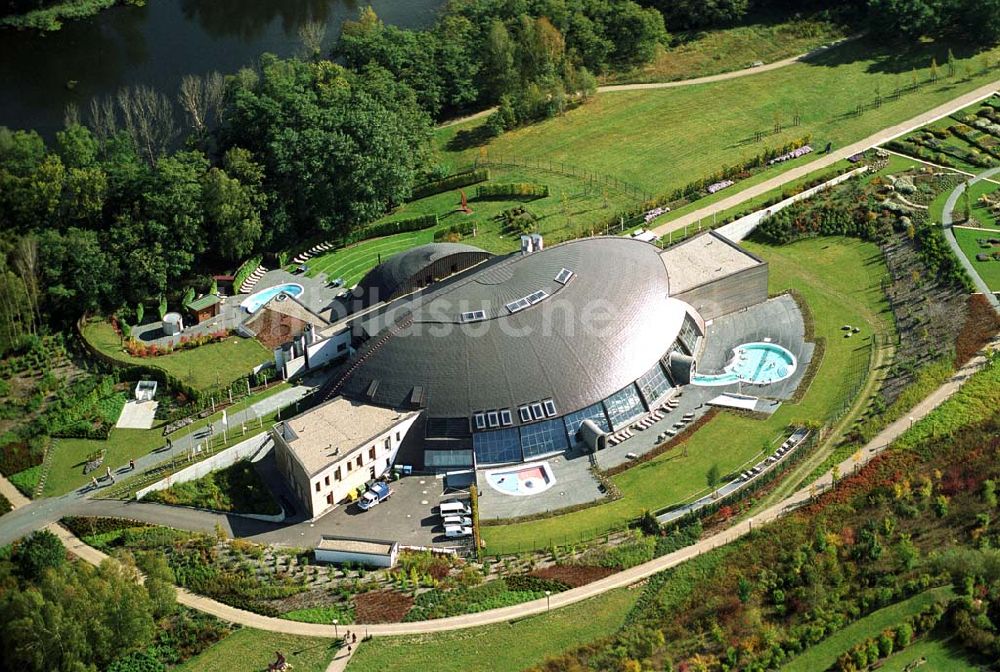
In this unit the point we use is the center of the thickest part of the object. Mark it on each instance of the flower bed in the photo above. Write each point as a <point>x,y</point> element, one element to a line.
<point>719,186</point>
<point>573,576</point>
<point>387,606</point>
<point>788,156</point>
<point>139,349</point>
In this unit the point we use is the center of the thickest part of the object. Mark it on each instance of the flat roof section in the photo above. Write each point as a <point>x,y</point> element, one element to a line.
<point>331,430</point>
<point>704,258</point>
<point>352,545</point>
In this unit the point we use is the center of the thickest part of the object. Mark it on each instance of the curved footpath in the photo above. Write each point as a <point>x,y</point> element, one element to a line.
<point>619,580</point>
<point>708,79</point>
<point>948,221</point>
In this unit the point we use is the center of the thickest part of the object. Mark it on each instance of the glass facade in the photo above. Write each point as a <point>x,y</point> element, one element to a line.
<point>689,334</point>
<point>497,447</point>
<point>623,405</point>
<point>653,384</point>
<point>574,420</point>
<point>542,438</point>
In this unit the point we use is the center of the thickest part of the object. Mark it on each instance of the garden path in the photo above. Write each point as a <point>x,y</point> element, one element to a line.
<point>949,235</point>
<point>828,160</point>
<point>694,81</point>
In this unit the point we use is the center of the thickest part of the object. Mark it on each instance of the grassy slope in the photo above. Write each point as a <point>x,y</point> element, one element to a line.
<point>939,655</point>
<point>839,278</point>
<point>569,211</point>
<point>824,654</point>
<point>208,366</point>
<point>70,455</point>
<point>248,650</point>
<point>710,52</point>
<point>662,139</point>
<point>505,646</point>
<point>980,212</point>
<point>989,271</point>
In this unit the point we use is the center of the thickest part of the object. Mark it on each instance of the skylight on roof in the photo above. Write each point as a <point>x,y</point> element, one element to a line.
<point>536,411</point>
<point>563,276</point>
<point>524,413</point>
<point>550,408</point>
<point>505,418</point>
<point>535,297</point>
<point>493,418</point>
<point>480,419</point>
<point>474,316</point>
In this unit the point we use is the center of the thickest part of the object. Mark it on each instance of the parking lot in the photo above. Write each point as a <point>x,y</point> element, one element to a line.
<point>409,516</point>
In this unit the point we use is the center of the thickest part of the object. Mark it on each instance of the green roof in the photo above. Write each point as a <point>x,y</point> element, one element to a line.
<point>202,303</point>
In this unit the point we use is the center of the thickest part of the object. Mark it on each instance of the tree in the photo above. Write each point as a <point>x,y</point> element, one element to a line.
<point>688,14</point>
<point>40,551</point>
<point>232,215</point>
<point>338,148</point>
<point>713,476</point>
<point>148,118</point>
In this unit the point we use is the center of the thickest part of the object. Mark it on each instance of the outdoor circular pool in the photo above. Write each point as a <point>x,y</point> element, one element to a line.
<point>752,363</point>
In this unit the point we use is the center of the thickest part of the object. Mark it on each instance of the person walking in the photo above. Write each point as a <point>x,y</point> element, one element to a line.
<point>93,481</point>
<point>108,473</point>
<point>131,465</point>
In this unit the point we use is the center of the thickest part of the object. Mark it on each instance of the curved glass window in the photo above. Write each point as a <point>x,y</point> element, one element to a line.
<point>497,447</point>
<point>542,438</point>
<point>623,406</point>
<point>653,384</point>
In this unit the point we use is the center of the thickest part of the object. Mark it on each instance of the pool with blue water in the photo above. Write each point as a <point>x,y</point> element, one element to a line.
<point>752,363</point>
<point>253,302</point>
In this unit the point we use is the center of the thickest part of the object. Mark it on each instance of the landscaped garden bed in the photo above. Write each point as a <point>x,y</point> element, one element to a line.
<point>236,489</point>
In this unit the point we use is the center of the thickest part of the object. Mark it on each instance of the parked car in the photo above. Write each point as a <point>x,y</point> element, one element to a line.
<point>457,520</point>
<point>454,508</point>
<point>457,531</point>
<point>378,492</point>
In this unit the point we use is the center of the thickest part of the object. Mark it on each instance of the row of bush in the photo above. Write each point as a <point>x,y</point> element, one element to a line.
<point>492,595</point>
<point>455,232</point>
<point>418,223</point>
<point>504,191</point>
<point>137,348</point>
<point>456,181</point>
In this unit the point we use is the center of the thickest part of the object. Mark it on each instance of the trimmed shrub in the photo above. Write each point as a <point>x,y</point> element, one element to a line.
<point>399,226</point>
<point>516,190</point>
<point>456,181</point>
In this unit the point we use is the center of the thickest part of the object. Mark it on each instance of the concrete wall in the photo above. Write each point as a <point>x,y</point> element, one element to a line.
<point>294,367</point>
<point>744,226</point>
<point>732,293</point>
<point>220,460</point>
<point>327,350</point>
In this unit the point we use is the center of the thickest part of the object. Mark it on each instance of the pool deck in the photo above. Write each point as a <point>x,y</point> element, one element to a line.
<point>778,319</point>
<point>315,296</point>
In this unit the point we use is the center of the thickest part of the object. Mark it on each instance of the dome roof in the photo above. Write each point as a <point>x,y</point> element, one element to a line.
<point>573,323</point>
<point>393,275</point>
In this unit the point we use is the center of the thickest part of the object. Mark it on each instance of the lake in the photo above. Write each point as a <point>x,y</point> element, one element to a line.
<point>160,43</point>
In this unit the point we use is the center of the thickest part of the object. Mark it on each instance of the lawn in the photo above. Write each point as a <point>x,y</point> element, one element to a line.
<point>980,212</point>
<point>209,366</point>
<point>709,52</point>
<point>248,650</point>
<point>840,280</point>
<point>236,489</point>
<point>69,455</point>
<point>505,646</point>
<point>989,271</point>
<point>941,655</point>
<point>824,654</point>
<point>573,208</point>
<point>660,139</point>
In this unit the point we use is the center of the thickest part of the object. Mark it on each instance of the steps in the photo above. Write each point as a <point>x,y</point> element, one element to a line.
<point>252,280</point>
<point>312,252</point>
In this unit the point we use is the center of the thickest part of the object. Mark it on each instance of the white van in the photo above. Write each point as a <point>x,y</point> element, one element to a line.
<point>457,520</point>
<point>454,508</point>
<point>455,531</point>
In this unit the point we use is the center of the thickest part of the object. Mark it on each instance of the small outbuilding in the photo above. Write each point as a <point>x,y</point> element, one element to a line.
<point>204,308</point>
<point>145,390</point>
<point>173,324</point>
<point>370,552</point>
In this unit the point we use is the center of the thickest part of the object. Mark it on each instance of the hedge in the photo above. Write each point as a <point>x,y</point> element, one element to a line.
<point>398,226</point>
<point>461,229</point>
<point>451,182</point>
<point>513,190</point>
<point>244,271</point>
